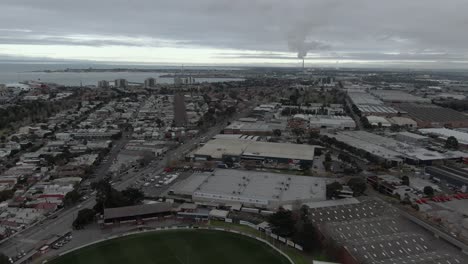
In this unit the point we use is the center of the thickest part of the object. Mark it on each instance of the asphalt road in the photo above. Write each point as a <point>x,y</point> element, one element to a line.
<point>103,168</point>
<point>356,118</point>
<point>34,237</point>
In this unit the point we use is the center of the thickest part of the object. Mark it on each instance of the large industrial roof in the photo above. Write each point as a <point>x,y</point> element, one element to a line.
<point>399,96</point>
<point>216,148</point>
<point>432,113</point>
<point>136,210</point>
<point>359,98</point>
<point>389,148</point>
<point>462,137</point>
<point>382,109</point>
<point>412,135</point>
<point>253,186</point>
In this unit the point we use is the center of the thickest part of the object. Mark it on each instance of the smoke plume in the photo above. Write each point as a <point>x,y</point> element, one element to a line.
<point>302,46</point>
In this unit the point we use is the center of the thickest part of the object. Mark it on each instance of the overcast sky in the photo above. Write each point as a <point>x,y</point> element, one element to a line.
<point>405,33</point>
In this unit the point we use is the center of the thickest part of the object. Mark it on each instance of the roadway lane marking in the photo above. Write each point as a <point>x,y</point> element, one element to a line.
<point>27,240</point>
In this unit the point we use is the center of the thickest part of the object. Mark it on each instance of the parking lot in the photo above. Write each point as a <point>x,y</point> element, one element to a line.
<point>62,241</point>
<point>155,184</point>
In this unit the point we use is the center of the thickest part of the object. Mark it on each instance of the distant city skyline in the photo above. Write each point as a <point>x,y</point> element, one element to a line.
<point>362,33</point>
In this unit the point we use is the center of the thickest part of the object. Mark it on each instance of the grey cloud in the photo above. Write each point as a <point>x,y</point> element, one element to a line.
<point>364,56</point>
<point>361,29</point>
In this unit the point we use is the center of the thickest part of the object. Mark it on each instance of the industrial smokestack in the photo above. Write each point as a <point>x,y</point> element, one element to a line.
<point>302,64</point>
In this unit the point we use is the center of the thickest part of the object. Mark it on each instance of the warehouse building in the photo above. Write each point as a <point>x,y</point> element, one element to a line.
<point>260,128</point>
<point>368,104</point>
<point>250,188</point>
<point>392,151</point>
<point>449,174</point>
<point>412,138</point>
<point>444,133</point>
<point>378,121</point>
<point>381,110</point>
<point>403,122</point>
<point>427,115</point>
<point>315,122</point>
<point>397,96</point>
<point>136,212</point>
<point>331,122</point>
<point>359,98</point>
<point>255,150</point>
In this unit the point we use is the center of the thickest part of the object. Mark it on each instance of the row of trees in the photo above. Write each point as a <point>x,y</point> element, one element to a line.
<point>459,105</point>
<point>297,226</point>
<point>288,111</point>
<point>35,111</point>
<point>106,197</point>
<point>345,147</point>
<point>358,186</point>
<point>84,217</point>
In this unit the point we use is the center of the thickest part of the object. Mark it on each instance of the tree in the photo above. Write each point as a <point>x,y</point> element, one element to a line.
<point>333,189</point>
<point>394,128</point>
<point>234,94</point>
<point>277,132</point>
<point>344,157</point>
<point>314,135</point>
<point>317,152</point>
<point>365,122</point>
<point>293,99</point>
<point>428,191</point>
<point>4,259</point>
<point>405,180</point>
<point>305,166</point>
<point>133,196</point>
<point>298,131</point>
<point>282,223</point>
<point>451,143</point>
<point>159,123</point>
<point>108,197</point>
<point>71,197</point>
<point>358,185</point>
<point>84,217</point>
<point>230,110</point>
<point>306,236</point>
<point>146,159</point>
<point>6,194</point>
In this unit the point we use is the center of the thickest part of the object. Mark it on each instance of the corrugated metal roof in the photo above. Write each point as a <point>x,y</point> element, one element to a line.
<point>136,210</point>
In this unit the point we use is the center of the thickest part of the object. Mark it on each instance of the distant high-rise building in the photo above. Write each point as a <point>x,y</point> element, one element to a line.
<point>120,83</point>
<point>150,82</point>
<point>103,84</point>
<point>184,80</point>
<point>3,90</point>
